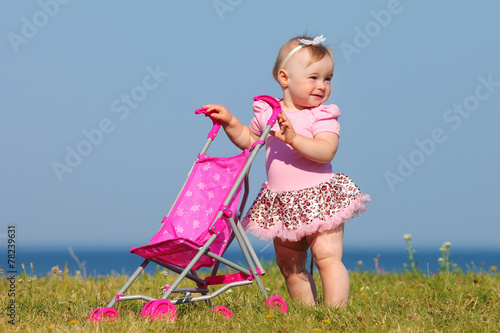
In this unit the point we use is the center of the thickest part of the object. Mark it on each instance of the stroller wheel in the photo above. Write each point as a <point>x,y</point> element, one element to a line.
<point>223,311</point>
<point>146,309</point>
<point>162,308</point>
<point>103,313</point>
<point>274,302</point>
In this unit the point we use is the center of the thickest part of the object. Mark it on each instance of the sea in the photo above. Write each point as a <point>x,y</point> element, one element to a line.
<point>102,261</point>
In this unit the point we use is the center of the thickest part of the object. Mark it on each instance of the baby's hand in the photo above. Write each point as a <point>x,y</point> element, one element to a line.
<point>219,113</point>
<point>287,133</point>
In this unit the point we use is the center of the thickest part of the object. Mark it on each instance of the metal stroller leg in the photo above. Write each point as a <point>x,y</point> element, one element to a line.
<point>199,285</point>
<point>132,278</point>
<point>250,248</point>
<point>247,256</point>
<point>186,270</point>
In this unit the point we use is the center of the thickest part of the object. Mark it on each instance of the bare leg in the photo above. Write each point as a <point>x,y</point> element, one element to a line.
<point>326,249</point>
<point>291,258</point>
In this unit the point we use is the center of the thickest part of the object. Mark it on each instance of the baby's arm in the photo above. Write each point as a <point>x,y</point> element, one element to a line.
<point>321,148</point>
<point>238,133</point>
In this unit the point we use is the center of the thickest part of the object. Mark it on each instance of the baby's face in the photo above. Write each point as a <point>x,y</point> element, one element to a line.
<point>309,86</point>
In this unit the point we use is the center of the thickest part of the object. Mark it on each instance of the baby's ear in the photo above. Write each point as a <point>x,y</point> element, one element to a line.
<point>283,78</point>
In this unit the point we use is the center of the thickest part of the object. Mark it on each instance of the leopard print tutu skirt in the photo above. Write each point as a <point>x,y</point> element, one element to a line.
<point>292,215</point>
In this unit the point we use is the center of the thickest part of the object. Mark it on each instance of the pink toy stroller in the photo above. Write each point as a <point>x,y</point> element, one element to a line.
<point>199,227</point>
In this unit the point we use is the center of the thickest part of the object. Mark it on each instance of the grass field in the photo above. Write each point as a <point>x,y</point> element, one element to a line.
<point>450,301</point>
<point>409,301</point>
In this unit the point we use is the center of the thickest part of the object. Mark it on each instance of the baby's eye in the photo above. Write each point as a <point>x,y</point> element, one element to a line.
<point>313,77</point>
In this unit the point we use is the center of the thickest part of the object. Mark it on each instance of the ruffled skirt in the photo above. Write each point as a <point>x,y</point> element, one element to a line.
<point>293,215</point>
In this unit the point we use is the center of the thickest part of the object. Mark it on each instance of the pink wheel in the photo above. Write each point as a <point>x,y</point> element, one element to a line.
<point>146,309</point>
<point>162,308</point>
<point>274,302</point>
<point>103,313</point>
<point>223,311</point>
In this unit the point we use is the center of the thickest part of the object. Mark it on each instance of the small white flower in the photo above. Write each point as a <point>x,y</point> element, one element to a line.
<point>179,229</point>
<point>201,186</point>
<point>195,208</point>
<point>189,193</point>
<point>217,177</point>
<point>407,237</point>
<point>210,195</point>
<point>196,224</point>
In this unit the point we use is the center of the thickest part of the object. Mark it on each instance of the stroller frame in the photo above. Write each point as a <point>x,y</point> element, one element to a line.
<point>163,307</point>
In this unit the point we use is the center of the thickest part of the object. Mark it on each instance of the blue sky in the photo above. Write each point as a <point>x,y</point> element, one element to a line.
<point>98,130</point>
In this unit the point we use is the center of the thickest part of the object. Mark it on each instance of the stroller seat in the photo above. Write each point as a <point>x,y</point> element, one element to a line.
<point>187,226</point>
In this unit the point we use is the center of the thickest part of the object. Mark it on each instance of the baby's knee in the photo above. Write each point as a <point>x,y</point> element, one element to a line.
<point>327,260</point>
<point>290,267</point>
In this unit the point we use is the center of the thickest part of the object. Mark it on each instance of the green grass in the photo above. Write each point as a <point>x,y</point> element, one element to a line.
<point>393,302</point>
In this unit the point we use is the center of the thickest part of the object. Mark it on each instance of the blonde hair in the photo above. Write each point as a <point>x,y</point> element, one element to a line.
<point>316,53</point>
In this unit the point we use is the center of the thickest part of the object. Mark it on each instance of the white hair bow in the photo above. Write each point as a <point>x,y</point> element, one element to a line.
<point>316,41</point>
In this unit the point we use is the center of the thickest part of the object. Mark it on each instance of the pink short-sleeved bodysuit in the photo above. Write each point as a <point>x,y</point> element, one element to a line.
<point>286,169</point>
<point>301,196</point>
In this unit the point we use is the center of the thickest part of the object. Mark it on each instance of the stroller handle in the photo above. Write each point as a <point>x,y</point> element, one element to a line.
<point>215,129</point>
<point>275,105</point>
